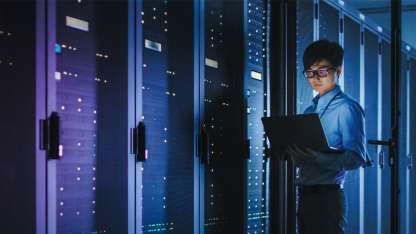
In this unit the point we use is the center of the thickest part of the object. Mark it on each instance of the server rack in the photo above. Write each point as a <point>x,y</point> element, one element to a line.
<point>167,101</point>
<point>20,65</point>
<point>87,89</point>
<point>257,95</point>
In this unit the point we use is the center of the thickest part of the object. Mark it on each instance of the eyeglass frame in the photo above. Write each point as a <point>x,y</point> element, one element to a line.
<point>316,72</point>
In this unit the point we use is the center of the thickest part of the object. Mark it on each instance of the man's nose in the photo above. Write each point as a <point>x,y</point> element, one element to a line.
<point>316,78</point>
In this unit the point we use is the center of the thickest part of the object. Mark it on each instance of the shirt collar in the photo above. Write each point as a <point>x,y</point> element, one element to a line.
<point>327,97</point>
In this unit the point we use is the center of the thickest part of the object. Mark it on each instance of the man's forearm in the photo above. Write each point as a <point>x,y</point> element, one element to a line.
<point>348,160</point>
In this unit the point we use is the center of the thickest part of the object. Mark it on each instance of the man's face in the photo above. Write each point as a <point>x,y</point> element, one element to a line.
<point>322,76</point>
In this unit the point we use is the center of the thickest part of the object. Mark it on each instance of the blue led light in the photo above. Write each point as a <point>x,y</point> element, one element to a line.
<point>58,48</point>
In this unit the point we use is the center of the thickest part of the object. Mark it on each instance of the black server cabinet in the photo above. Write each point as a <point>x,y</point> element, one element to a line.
<point>222,108</point>
<point>167,88</point>
<point>257,99</point>
<point>87,86</point>
<point>352,45</point>
<point>19,115</point>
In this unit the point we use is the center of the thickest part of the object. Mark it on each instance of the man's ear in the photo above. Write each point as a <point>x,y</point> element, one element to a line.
<point>339,70</point>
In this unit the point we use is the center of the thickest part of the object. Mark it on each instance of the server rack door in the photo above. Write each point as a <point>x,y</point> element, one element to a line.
<point>305,36</point>
<point>352,88</point>
<point>256,79</point>
<point>87,86</point>
<point>18,95</point>
<point>168,115</point>
<point>223,158</point>
<point>135,94</point>
<point>383,156</point>
<point>371,120</point>
<point>404,146</point>
<point>412,127</point>
<point>328,22</point>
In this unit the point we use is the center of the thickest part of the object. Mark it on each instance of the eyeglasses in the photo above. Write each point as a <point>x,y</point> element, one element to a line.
<point>321,72</point>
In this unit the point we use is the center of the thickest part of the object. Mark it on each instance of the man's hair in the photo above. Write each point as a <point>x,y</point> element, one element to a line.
<point>323,50</point>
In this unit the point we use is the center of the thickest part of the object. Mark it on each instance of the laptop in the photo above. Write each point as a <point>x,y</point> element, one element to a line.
<point>305,131</point>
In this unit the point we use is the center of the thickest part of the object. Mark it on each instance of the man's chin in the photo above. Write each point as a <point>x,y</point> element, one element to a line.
<point>317,88</point>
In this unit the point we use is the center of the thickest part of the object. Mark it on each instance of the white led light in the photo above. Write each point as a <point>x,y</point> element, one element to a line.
<point>408,48</point>
<point>57,76</point>
<point>380,29</point>
<point>341,2</point>
<point>362,17</point>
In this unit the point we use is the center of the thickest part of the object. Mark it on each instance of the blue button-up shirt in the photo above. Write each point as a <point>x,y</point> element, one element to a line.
<point>343,122</point>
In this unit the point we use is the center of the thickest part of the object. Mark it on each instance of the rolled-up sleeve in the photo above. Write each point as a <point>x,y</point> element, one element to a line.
<point>352,127</point>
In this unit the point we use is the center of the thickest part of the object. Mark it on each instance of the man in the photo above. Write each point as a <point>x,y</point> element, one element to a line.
<point>322,204</point>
